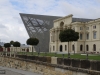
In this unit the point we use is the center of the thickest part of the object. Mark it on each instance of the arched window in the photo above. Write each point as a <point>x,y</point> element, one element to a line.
<point>73,47</point>
<point>94,47</point>
<point>87,48</point>
<point>61,48</point>
<point>65,47</point>
<point>81,47</point>
<point>61,25</point>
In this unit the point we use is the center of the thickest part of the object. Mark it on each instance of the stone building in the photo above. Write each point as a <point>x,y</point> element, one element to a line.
<point>89,35</point>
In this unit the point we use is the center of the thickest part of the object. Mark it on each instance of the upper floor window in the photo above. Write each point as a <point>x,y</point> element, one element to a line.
<point>81,28</point>
<point>81,35</point>
<point>87,28</point>
<point>94,27</point>
<point>94,35</point>
<point>87,36</point>
<point>61,25</point>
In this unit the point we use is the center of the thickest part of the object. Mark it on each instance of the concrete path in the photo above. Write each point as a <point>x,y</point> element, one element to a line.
<point>12,71</point>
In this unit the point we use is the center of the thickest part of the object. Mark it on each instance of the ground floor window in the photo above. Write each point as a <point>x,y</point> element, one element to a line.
<point>73,47</point>
<point>53,48</point>
<point>87,48</point>
<point>94,47</point>
<point>61,48</point>
<point>65,47</point>
<point>81,47</point>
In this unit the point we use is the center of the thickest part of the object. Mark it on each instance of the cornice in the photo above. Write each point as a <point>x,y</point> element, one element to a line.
<point>63,18</point>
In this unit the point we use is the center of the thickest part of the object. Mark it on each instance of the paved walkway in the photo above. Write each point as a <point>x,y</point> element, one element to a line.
<point>12,71</point>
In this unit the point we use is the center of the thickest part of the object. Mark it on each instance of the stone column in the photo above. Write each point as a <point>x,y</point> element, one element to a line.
<point>56,39</point>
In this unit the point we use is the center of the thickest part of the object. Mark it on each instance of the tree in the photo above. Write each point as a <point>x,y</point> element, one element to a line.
<point>16,44</point>
<point>33,42</point>
<point>68,35</point>
<point>7,45</point>
<point>11,42</point>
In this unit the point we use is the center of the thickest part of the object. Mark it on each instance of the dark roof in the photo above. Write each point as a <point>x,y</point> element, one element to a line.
<point>81,20</point>
<point>56,17</point>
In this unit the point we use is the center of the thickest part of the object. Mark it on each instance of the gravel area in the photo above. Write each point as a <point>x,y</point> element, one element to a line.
<point>12,71</point>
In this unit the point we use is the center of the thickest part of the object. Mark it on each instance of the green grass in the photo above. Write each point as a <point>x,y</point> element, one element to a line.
<point>76,56</point>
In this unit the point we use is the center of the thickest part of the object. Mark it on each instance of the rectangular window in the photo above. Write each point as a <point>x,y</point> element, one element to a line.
<point>53,48</point>
<point>87,36</point>
<point>81,28</point>
<point>94,35</point>
<point>81,36</point>
<point>65,47</point>
<point>87,28</point>
<point>94,27</point>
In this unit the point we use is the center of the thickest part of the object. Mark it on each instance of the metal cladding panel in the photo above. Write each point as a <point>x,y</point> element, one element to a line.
<point>38,26</point>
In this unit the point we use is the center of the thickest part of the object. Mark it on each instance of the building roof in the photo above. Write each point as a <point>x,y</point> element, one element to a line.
<point>81,20</point>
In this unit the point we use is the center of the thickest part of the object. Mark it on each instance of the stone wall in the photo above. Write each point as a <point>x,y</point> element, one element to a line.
<point>47,65</point>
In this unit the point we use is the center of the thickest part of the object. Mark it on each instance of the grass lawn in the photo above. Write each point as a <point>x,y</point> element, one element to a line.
<point>77,56</point>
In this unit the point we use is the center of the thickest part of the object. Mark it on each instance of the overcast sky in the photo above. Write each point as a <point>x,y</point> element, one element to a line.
<point>12,27</point>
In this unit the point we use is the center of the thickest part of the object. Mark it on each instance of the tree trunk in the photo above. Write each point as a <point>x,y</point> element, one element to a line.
<point>68,50</point>
<point>32,50</point>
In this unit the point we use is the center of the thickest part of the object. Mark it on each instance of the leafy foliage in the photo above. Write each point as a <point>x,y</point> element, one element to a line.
<point>68,35</point>
<point>11,42</point>
<point>6,45</point>
<point>32,41</point>
<point>16,44</point>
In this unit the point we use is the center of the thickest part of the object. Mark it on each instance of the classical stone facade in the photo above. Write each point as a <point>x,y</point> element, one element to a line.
<point>89,35</point>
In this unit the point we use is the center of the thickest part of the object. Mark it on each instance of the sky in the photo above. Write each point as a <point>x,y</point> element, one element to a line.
<point>12,27</point>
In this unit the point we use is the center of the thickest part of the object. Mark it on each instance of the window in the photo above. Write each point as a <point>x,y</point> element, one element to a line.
<point>73,47</point>
<point>81,36</point>
<point>53,48</point>
<point>81,28</point>
<point>94,35</point>
<point>81,47</point>
<point>94,27</point>
<point>65,47</point>
<point>94,47</point>
<point>61,47</point>
<point>87,36</point>
<point>87,28</point>
<point>87,48</point>
<point>61,25</point>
